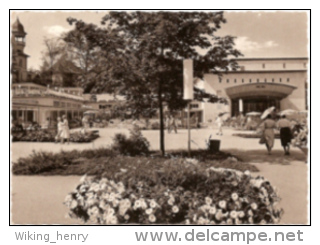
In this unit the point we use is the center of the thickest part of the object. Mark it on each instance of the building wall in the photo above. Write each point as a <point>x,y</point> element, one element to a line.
<point>273,64</point>
<point>293,73</point>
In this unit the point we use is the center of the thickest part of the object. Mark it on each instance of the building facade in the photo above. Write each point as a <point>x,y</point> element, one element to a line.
<point>33,103</point>
<point>259,84</point>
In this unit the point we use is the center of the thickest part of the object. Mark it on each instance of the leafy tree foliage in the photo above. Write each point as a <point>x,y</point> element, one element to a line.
<point>144,53</point>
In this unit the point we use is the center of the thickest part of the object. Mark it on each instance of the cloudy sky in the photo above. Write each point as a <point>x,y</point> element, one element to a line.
<point>259,34</point>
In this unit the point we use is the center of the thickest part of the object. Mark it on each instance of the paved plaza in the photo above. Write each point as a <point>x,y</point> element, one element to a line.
<point>282,171</point>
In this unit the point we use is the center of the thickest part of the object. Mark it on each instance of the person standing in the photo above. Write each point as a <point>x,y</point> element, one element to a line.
<point>219,123</point>
<point>85,123</point>
<point>167,122</point>
<point>65,135</point>
<point>173,125</point>
<point>285,134</point>
<point>59,129</point>
<point>268,132</point>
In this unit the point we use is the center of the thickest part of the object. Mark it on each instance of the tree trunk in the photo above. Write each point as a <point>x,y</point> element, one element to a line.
<point>161,119</point>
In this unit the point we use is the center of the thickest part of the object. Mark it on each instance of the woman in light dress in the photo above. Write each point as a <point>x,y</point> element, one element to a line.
<point>219,123</point>
<point>59,129</point>
<point>65,134</point>
<point>268,132</point>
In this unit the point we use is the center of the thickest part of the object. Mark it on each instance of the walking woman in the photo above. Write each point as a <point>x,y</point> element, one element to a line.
<point>285,134</point>
<point>65,135</point>
<point>219,123</point>
<point>59,129</point>
<point>268,132</point>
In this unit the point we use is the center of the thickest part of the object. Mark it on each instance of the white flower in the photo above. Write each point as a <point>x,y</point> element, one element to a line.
<point>113,220</point>
<point>194,218</point>
<point>83,179</point>
<point>254,206</point>
<point>250,220</point>
<point>175,209</point>
<point>103,181</point>
<point>94,211</point>
<point>263,222</point>
<point>233,214</point>
<point>105,196</point>
<point>152,218</point>
<point>208,200</point>
<point>212,210</point>
<point>247,173</point>
<point>94,187</point>
<point>110,211</point>
<point>234,196</point>
<point>137,204</point>
<point>250,213</point>
<point>238,222</point>
<point>73,204</point>
<point>234,183</point>
<point>68,199</point>
<point>149,211</point>
<point>153,204</point>
<point>171,202</point>
<point>111,197</point>
<point>229,221</point>
<point>222,204</point>
<point>115,203</point>
<point>103,186</point>
<point>201,221</point>
<point>83,188</point>
<point>92,201</point>
<point>143,204</point>
<point>219,214</point>
<point>204,208</point>
<point>241,214</point>
<point>127,217</point>
<point>187,222</point>
<point>102,204</point>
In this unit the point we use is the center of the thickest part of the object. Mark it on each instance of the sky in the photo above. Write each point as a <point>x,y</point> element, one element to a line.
<point>259,34</point>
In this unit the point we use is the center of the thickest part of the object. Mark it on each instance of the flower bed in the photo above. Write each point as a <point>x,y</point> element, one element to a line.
<point>179,192</point>
<point>96,161</point>
<point>49,136</point>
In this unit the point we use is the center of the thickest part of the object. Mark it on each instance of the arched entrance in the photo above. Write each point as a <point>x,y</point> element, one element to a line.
<point>257,97</point>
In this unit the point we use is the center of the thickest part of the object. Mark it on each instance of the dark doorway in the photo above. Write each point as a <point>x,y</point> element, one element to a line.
<point>255,104</point>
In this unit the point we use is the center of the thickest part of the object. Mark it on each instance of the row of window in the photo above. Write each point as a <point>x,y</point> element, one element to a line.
<point>256,80</point>
<point>242,68</point>
<point>63,104</point>
<point>104,106</point>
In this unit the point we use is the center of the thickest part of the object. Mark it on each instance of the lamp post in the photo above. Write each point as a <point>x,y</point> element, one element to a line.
<point>188,93</point>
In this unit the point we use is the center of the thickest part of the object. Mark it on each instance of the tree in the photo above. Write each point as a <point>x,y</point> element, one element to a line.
<point>146,66</point>
<point>54,50</point>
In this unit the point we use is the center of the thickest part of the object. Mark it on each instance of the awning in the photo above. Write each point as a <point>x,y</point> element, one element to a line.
<point>273,90</point>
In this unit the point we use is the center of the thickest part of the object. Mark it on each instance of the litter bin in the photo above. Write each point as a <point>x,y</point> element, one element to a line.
<point>214,146</point>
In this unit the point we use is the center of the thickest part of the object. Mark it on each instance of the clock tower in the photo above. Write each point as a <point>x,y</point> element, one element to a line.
<point>19,58</point>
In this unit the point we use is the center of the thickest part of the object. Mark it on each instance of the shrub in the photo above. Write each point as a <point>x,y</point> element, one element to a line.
<point>155,125</point>
<point>181,192</point>
<point>135,145</point>
<point>49,136</point>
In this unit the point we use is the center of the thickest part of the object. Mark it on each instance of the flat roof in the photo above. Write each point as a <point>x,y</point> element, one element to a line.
<point>271,58</point>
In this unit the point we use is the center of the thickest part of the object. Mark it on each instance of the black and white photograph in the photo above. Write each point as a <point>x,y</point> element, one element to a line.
<point>140,117</point>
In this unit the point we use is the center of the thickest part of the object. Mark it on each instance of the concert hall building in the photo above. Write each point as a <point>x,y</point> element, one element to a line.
<point>259,84</point>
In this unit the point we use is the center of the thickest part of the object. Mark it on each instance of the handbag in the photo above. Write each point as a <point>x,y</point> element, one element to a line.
<point>262,140</point>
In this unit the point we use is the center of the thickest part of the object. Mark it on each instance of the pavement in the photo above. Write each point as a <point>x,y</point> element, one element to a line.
<point>288,173</point>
